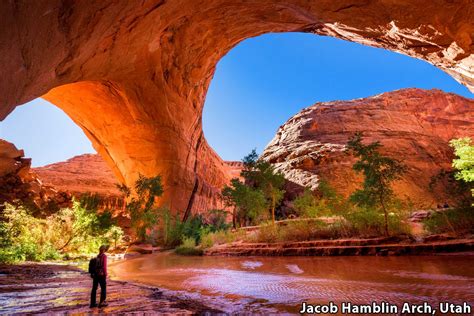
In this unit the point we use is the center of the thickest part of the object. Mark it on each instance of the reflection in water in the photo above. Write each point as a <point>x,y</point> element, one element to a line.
<point>260,283</point>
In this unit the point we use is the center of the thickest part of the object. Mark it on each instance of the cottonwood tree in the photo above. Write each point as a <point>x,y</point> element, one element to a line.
<point>464,150</point>
<point>261,175</point>
<point>249,203</point>
<point>143,213</point>
<point>261,189</point>
<point>379,173</point>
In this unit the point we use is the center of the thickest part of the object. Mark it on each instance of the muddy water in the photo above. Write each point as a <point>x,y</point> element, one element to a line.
<point>280,284</point>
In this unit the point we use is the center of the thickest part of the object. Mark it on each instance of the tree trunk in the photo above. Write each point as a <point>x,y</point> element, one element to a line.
<point>234,220</point>
<point>273,208</point>
<point>385,215</point>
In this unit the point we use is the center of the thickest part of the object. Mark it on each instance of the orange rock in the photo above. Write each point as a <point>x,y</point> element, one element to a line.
<point>89,173</point>
<point>79,175</point>
<point>18,183</point>
<point>134,75</point>
<point>413,125</point>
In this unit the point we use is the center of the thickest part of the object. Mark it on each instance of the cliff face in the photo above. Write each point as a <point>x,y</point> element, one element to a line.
<point>134,74</point>
<point>82,175</point>
<point>18,183</point>
<point>413,126</point>
<point>89,173</point>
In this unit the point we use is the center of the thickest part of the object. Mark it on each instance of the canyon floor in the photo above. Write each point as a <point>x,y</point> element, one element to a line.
<point>54,288</point>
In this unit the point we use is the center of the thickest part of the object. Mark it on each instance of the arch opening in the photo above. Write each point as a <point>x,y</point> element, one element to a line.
<point>263,81</point>
<point>155,63</point>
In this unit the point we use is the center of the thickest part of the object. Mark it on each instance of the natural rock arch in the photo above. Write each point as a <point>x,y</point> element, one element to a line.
<point>134,75</point>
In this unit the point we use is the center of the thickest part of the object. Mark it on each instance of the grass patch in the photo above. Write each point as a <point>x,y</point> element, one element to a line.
<point>189,248</point>
<point>458,221</point>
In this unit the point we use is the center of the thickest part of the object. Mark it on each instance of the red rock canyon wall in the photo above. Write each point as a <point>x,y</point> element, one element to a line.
<point>413,125</point>
<point>134,74</point>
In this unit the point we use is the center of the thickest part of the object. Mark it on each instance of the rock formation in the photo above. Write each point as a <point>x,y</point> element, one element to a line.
<point>89,174</point>
<point>82,175</point>
<point>134,74</point>
<point>18,183</point>
<point>413,125</point>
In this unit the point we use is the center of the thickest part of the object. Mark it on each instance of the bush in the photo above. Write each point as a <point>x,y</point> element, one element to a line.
<point>459,221</point>
<point>220,237</point>
<point>325,202</point>
<point>303,230</point>
<point>368,222</point>
<point>188,248</point>
<point>267,232</point>
<point>309,230</point>
<point>73,230</point>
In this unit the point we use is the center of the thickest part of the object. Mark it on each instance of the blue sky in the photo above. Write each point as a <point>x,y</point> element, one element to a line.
<point>257,86</point>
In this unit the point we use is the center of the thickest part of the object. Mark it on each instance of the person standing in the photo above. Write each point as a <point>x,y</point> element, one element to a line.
<point>99,277</point>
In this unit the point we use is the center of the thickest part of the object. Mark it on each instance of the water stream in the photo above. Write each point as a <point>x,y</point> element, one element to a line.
<point>280,284</point>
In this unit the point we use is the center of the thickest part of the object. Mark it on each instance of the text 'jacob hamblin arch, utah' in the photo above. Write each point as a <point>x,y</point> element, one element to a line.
<point>134,74</point>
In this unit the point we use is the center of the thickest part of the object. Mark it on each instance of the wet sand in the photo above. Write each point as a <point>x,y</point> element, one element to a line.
<point>53,288</point>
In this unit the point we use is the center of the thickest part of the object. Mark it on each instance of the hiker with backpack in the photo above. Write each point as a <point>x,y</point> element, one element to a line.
<point>98,272</point>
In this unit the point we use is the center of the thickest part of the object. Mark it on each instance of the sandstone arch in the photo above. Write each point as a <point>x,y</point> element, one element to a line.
<point>134,74</point>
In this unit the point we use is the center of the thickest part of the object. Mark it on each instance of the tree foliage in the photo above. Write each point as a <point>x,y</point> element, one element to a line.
<point>379,173</point>
<point>325,201</point>
<point>249,203</point>
<point>71,231</point>
<point>144,214</point>
<point>464,150</point>
<point>262,189</point>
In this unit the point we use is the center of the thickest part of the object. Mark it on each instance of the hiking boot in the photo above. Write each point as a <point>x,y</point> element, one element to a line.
<point>93,305</point>
<point>103,304</point>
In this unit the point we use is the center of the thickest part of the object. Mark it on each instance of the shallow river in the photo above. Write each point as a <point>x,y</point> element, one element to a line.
<point>280,284</point>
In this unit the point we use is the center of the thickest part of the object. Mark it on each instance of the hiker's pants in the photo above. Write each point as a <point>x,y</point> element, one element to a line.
<point>103,291</point>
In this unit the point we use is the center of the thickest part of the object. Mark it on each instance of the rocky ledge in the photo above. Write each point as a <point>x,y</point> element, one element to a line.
<point>345,247</point>
<point>54,289</point>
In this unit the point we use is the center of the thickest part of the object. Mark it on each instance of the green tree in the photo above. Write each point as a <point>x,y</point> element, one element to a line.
<point>464,150</point>
<point>143,213</point>
<point>261,175</point>
<point>379,173</point>
<point>307,204</point>
<point>249,203</point>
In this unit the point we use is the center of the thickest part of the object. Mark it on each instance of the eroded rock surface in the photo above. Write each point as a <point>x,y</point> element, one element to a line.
<point>134,75</point>
<point>81,175</point>
<point>89,174</point>
<point>18,183</point>
<point>413,125</point>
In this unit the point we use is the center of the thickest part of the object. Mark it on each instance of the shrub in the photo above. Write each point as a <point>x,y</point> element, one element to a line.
<point>368,222</point>
<point>73,230</point>
<point>220,237</point>
<point>309,230</point>
<point>308,205</point>
<point>217,220</point>
<point>459,221</point>
<point>268,232</point>
<point>188,248</point>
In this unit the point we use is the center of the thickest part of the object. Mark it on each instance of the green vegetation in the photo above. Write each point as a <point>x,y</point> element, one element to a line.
<point>324,202</point>
<point>464,150</point>
<point>188,248</point>
<point>71,232</point>
<point>371,211</point>
<point>141,205</point>
<point>451,187</point>
<point>249,204</point>
<point>379,173</point>
<point>458,221</point>
<point>261,190</point>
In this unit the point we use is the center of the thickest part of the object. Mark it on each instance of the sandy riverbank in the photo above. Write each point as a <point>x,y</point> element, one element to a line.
<point>53,288</point>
